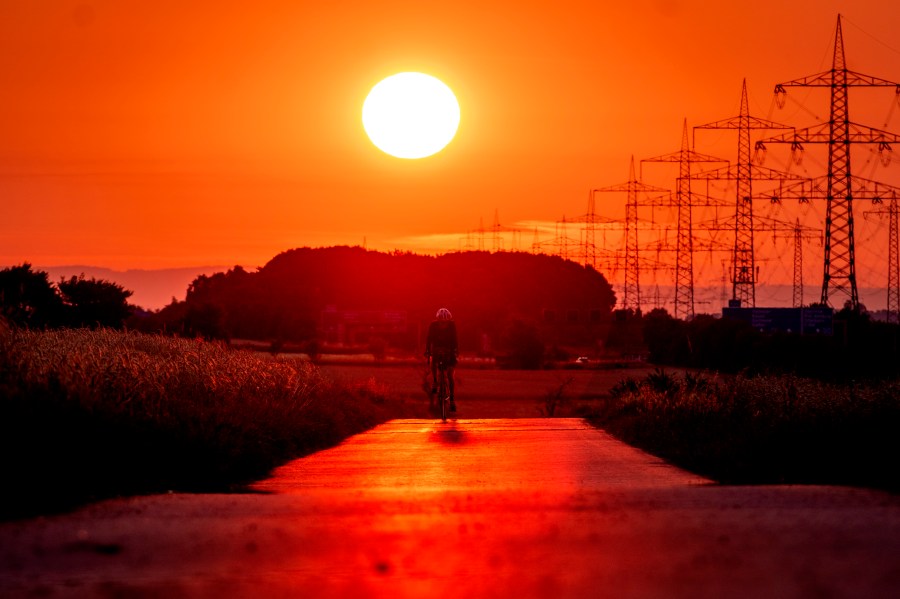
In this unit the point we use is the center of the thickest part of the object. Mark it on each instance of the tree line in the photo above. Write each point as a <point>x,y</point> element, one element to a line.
<point>29,299</point>
<point>493,297</point>
<point>520,307</point>
<point>512,305</point>
<point>860,347</point>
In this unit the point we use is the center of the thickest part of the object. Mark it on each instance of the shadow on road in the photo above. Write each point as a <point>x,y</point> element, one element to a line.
<point>450,434</point>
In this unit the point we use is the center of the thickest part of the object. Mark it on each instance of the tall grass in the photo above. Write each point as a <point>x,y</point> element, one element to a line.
<point>88,414</point>
<point>767,429</point>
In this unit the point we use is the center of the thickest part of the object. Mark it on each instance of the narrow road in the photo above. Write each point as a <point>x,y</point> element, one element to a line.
<point>475,508</point>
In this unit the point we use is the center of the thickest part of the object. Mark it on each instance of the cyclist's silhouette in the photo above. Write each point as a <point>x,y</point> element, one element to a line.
<point>441,344</point>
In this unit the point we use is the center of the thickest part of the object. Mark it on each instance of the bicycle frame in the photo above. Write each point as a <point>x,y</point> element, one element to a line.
<point>442,386</point>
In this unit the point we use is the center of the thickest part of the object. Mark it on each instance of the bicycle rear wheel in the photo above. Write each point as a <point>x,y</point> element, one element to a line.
<point>442,390</point>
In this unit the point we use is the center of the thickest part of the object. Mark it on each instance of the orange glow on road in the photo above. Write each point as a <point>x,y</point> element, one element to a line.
<point>474,500</point>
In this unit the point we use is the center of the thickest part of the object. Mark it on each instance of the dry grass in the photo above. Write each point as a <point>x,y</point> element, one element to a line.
<point>767,429</point>
<point>87,414</point>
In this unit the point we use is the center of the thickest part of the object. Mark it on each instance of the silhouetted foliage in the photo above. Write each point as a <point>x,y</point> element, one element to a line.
<point>285,299</point>
<point>27,298</point>
<point>762,429</point>
<point>522,345</point>
<point>87,414</point>
<point>665,337</point>
<point>662,382</point>
<point>94,302</point>
<point>205,320</point>
<point>625,331</point>
<point>859,347</point>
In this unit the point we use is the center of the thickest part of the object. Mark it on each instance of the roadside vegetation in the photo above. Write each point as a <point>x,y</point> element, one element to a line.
<point>763,429</point>
<point>87,414</point>
<point>861,348</point>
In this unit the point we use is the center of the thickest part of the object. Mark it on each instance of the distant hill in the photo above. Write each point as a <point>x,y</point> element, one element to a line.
<point>349,294</point>
<point>152,289</point>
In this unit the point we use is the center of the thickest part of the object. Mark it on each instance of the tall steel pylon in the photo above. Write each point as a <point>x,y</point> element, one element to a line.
<point>841,187</point>
<point>797,296</point>
<point>590,246</point>
<point>633,188</point>
<point>743,279</point>
<point>893,274</point>
<point>799,234</point>
<point>893,294</point>
<point>684,267</point>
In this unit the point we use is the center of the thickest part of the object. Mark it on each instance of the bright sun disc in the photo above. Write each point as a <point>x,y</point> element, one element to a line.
<point>410,115</point>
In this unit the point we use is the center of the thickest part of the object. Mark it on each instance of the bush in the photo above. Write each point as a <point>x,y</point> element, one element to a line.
<point>859,349</point>
<point>766,429</point>
<point>523,346</point>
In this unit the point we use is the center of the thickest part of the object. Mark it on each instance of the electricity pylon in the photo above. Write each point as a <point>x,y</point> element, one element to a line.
<point>893,294</point>
<point>893,274</point>
<point>589,240</point>
<point>590,247</point>
<point>495,235</point>
<point>684,268</point>
<point>797,295</point>
<point>798,233</point>
<point>743,280</point>
<point>840,186</point>
<point>633,188</point>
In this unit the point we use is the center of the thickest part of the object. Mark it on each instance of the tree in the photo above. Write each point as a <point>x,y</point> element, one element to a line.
<point>523,345</point>
<point>94,302</point>
<point>666,338</point>
<point>27,297</point>
<point>285,299</point>
<point>206,320</point>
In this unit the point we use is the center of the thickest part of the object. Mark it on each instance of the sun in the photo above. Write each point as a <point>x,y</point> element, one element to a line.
<point>411,115</point>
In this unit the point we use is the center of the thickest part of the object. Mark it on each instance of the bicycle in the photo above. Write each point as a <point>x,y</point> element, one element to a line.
<point>442,385</point>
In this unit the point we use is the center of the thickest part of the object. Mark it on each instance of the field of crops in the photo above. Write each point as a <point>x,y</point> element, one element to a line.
<point>87,414</point>
<point>760,430</point>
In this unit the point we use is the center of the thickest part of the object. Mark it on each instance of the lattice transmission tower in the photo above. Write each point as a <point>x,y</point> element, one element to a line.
<point>743,172</point>
<point>893,294</point>
<point>633,190</point>
<point>797,295</point>
<point>840,186</point>
<point>893,275</point>
<point>797,233</point>
<point>684,267</point>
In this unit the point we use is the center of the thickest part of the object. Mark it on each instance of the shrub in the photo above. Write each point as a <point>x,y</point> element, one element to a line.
<point>556,398</point>
<point>523,345</point>
<point>766,429</point>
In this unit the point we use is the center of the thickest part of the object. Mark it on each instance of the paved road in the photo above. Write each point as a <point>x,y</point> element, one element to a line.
<point>478,508</point>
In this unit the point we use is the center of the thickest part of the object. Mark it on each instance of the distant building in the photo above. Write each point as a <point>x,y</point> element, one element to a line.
<point>811,320</point>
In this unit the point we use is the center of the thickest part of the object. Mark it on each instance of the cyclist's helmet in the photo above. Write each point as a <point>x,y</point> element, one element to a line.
<point>444,314</point>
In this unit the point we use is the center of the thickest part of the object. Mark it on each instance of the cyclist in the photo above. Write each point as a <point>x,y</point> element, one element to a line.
<point>441,343</point>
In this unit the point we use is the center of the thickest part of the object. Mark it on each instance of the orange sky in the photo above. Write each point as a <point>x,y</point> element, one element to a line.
<point>170,133</point>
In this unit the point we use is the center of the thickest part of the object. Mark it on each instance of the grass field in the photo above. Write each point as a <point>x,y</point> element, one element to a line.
<point>90,414</point>
<point>762,430</point>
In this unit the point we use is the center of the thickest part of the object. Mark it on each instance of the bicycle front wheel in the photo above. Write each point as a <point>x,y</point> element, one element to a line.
<point>442,393</point>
